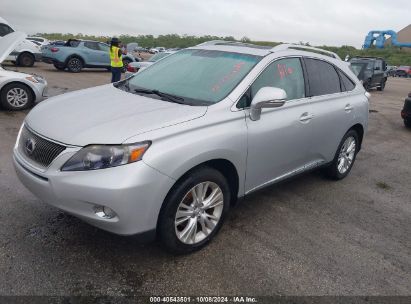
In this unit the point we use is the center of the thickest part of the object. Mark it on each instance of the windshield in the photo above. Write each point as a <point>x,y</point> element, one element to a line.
<point>198,76</point>
<point>158,56</point>
<point>358,67</point>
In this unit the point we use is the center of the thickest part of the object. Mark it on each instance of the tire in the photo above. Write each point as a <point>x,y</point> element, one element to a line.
<point>25,60</point>
<point>205,221</point>
<point>59,66</point>
<point>407,123</point>
<point>333,171</point>
<point>23,97</point>
<point>74,65</point>
<point>125,64</point>
<point>382,85</point>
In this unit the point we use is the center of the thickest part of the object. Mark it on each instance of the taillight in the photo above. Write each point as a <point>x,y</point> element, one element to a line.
<point>403,114</point>
<point>54,49</point>
<point>131,69</point>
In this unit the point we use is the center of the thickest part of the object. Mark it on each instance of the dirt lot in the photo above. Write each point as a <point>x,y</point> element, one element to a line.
<point>307,236</point>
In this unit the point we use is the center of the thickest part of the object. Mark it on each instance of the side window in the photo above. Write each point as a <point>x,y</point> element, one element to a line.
<point>346,83</point>
<point>286,74</point>
<point>103,47</point>
<point>5,30</point>
<point>322,77</point>
<point>91,45</point>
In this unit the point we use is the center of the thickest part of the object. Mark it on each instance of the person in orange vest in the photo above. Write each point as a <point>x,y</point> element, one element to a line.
<point>116,60</point>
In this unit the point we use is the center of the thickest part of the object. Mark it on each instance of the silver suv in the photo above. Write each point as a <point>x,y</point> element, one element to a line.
<point>166,152</point>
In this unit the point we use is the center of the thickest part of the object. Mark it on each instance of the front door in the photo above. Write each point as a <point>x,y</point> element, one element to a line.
<point>278,141</point>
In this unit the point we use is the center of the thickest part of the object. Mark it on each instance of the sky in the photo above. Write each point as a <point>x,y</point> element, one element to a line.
<point>319,22</point>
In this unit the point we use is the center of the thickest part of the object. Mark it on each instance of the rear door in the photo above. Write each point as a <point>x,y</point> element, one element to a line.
<point>278,141</point>
<point>332,107</point>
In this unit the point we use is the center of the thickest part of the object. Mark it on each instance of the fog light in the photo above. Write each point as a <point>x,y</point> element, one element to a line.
<point>104,212</point>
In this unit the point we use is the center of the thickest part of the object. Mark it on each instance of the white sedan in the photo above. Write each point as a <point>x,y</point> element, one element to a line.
<point>18,91</point>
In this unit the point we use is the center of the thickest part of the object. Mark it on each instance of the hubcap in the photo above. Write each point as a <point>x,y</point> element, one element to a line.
<point>17,97</point>
<point>199,212</point>
<point>347,154</point>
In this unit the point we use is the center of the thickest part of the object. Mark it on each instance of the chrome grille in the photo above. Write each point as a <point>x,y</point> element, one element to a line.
<point>38,150</point>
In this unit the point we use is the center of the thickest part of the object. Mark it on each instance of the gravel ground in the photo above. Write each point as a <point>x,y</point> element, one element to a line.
<point>306,236</point>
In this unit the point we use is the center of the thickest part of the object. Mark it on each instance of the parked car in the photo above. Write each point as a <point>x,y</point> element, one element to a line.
<point>403,71</point>
<point>26,53</point>
<point>391,69</point>
<point>41,40</point>
<point>371,71</point>
<point>168,151</point>
<point>406,111</point>
<point>78,54</point>
<point>58,42</point>
<point>18,91</point>
<point>134,67</point>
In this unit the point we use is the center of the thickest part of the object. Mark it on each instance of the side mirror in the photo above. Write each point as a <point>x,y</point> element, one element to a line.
<point>266,97</point>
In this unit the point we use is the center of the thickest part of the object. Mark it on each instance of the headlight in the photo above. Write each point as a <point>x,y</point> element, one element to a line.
<point>35,79</point>
<point>95,157</point>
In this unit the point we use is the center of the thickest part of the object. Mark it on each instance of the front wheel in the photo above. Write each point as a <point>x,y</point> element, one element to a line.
<point>16,96</point>
<point>194,211</point>
<point>344,157</point>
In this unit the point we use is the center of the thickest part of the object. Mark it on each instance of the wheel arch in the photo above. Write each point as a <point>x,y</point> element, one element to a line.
<point>21,83</point>
<point>360,131</point>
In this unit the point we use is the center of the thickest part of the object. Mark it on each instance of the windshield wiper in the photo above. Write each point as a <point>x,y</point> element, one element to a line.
<point>169,97</point>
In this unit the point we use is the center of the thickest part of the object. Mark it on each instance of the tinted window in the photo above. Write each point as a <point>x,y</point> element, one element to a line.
<point>322,77</point>
<point>346,83</point>
<point>91,45</point>
<point>5,29</point>
<point>286,74</point>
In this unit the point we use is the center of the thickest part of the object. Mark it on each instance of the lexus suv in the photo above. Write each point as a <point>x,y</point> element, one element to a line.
<point>166,152</point>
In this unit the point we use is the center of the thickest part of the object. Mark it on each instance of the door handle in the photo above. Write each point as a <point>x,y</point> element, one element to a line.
<point>306,117</point>
<point>348,108</point>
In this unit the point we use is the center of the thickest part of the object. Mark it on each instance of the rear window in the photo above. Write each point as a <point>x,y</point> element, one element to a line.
<point>346,83</point>
<point>322,77</point>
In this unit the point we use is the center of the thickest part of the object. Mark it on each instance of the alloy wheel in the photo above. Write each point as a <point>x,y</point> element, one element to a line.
<point>199,212</point>
<point>17,97</point>
<point>347,154</point>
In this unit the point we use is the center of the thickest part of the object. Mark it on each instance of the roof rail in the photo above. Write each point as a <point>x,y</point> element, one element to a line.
<point>212,42</point>
<point>285,46</point>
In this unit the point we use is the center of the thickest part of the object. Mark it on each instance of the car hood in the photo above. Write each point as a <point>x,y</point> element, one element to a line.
<point>9,42</point>
<point>105,115</point>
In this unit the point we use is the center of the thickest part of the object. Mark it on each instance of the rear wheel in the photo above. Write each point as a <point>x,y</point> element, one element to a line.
<point>382,85</point>
<point>25,60</point>
<point>74,65</point>
<point>344,157</point>
<point>194,211</point>
<point>16,96</point>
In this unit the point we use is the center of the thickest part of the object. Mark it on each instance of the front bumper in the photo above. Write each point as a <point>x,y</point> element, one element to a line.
<point>134,191</point>
<point>40,91</point>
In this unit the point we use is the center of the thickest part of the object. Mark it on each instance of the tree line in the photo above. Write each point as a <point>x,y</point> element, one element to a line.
<point>393,55</point>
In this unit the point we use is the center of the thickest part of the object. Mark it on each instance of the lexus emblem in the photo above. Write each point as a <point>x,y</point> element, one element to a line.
<point>30,145</point>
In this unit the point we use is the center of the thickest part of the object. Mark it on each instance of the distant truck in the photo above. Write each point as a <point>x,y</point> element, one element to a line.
<point>75,55</point>
<point>371,71</point>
